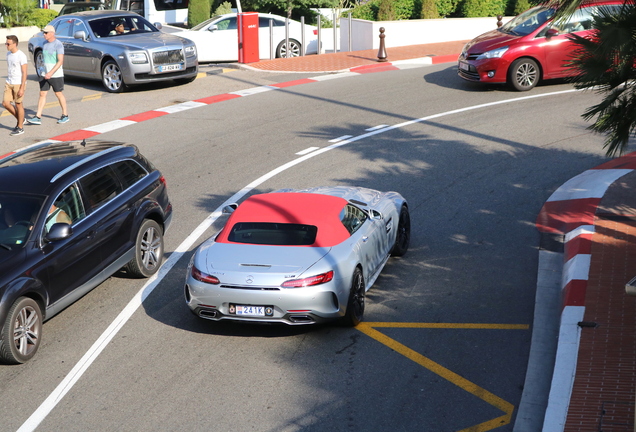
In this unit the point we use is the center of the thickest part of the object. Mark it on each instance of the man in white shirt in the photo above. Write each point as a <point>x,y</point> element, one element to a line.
<point>16,83</point>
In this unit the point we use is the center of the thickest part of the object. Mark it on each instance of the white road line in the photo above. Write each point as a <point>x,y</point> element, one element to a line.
<point>342,138</point>
<point>307,150</point>
<point>376,128</point>
<point>91,355</point>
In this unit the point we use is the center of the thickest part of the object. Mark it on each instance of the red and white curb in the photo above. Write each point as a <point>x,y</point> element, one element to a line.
<point>376,67</point>
<point>570,211</point>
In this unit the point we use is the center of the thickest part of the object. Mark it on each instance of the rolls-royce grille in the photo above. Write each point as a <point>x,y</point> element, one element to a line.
<point>168,57</point>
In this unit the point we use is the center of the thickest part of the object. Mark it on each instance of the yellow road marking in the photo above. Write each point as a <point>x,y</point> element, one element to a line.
<point>226,70</point>
<point>201,75</point>
<point>450,326</point>
<point>92,97</point>
<point>459,381</point>
<point>5,113</point>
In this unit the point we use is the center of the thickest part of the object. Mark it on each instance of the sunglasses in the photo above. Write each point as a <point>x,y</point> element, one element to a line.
<point>44,32</point>
<point>7,44</point>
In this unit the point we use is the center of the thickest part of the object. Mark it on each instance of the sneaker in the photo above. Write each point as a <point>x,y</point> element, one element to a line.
<point>63,119</point>
<point>34,120</point>
<point>16,131</point>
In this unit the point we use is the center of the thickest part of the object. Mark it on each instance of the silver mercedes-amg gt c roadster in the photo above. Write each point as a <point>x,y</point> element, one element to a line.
<point>298,256</point>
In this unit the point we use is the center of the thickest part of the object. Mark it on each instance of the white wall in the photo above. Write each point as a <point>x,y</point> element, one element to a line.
<point>23,33</point>
<point>365,34</point>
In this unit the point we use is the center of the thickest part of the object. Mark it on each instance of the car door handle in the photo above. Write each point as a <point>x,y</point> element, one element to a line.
<point>90,234</point>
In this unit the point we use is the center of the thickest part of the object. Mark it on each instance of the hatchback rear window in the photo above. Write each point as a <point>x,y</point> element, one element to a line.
<point>274,234</point>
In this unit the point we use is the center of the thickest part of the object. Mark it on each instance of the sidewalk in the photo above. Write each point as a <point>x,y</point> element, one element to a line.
<point>595,372</point>
<point>340,61</point>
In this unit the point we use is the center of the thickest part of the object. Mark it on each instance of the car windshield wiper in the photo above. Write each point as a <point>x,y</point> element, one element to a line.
<point>6,246</point>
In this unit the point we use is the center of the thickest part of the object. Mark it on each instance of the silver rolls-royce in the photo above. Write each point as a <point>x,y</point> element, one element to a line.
<point>119,48</point>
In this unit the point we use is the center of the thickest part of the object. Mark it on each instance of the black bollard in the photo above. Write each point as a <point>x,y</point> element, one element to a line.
<point>382,50</point>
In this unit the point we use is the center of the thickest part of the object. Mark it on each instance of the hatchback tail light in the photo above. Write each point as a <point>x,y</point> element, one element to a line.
<point>310,281</point>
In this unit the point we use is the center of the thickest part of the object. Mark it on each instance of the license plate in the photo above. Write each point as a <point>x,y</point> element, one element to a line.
<point>464,66</point>
<point>170,68</point>
<point>250,310</point>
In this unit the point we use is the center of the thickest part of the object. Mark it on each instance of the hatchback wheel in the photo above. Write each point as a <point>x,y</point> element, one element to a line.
<point>292,50</point>
<point>355,305</point>
<point>148,250</point>
<point>112,77</point>
<point>21,333</point>
<point>523,74</point>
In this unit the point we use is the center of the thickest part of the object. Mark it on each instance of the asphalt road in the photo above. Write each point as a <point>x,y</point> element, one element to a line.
<point>448,329</point>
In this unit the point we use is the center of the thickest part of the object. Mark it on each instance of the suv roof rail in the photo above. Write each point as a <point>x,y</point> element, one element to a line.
<point>83,161</point>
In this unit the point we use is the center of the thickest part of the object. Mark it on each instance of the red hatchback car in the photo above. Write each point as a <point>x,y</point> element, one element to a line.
<point>529,48</point>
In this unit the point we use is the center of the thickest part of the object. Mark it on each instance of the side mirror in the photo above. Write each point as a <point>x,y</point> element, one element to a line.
<point>552,32</point>
<point>229,209</point>
<point>158,25</point>
<point>59,231</point>
<point>213,27</point>
<point>80,35</point>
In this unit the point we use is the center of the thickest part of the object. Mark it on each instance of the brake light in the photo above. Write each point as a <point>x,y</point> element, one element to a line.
<point>163,181</point>
<point>204,277</point>
<point>310,281</point>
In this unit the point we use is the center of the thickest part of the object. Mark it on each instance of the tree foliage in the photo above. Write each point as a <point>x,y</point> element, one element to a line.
<point>16,12</point>
<point>198,11</point>
<point>429,9</point>
<point>605,63</point>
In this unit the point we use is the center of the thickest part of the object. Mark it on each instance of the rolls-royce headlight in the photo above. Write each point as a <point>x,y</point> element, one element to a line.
<point>138,57</point>
<point>190,51</point>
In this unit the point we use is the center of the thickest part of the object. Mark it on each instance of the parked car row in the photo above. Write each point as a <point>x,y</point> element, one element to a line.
<point>141,53</point>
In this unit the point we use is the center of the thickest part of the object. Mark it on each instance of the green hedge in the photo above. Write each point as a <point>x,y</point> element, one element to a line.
<point>383,10</point>
<point>40,17</point>
<point>198,11</point>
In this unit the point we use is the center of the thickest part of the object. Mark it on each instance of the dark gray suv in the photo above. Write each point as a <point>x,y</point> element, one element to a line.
<point>71,215</point>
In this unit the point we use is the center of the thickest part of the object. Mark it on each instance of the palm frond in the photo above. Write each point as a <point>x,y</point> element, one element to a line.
<point>605,62</point>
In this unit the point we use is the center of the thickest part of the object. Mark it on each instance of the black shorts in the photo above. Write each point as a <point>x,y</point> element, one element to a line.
<point>56,83</point>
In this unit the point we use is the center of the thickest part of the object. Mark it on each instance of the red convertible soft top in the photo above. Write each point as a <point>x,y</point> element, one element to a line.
<point>321,211</point>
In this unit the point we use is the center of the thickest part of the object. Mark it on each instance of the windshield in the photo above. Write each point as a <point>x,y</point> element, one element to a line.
<point>17,215</point>
<point>275,234</point>
<point>205,23</point>
<point>121,25</point>
<point>528,22</point>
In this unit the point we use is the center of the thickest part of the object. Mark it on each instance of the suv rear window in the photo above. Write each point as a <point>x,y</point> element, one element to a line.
<point>130,172</point>
<point>274,234</point>
<point>100,187</point>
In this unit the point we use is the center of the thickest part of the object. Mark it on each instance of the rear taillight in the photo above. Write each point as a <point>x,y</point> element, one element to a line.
<point>204,277</point>
<point>310,281</point>
<point>163,181</point>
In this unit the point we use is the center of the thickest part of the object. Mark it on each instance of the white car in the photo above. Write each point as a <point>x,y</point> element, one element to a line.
<point>217,38</point>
